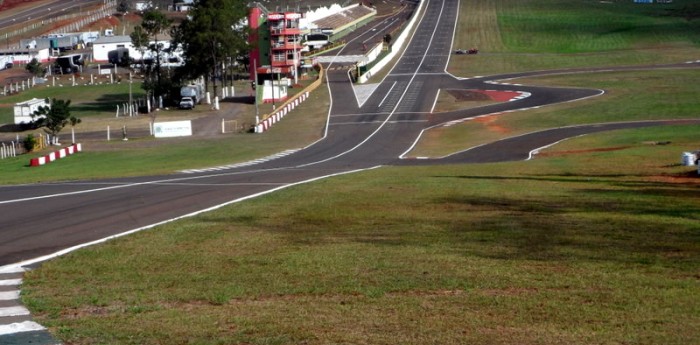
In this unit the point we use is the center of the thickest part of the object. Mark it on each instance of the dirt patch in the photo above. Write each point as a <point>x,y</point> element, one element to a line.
<point>509,291</point>
<point>468,95</point>
<point>501,96</point>
<point>8,4</point>
<point>573,152</point>
<point>689,177</point>
<point>13,75</point>
<point>490,122</point>
<point>114,21</point>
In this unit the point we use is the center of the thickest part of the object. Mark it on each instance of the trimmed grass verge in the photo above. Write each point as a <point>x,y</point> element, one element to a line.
<point>515,35</point>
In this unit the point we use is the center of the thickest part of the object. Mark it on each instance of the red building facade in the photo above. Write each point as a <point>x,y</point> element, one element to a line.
<point>276,42</point>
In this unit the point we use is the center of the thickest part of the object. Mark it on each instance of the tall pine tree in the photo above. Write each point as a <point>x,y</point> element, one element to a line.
<point>212,36</point>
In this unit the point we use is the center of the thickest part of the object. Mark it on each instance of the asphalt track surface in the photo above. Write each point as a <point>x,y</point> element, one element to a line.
<point>42,219</point>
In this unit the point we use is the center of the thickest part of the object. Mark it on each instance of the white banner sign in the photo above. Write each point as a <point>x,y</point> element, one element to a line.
<point>172,129</point>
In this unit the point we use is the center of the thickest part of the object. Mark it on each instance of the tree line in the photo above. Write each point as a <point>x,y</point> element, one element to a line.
<point>211,36</point>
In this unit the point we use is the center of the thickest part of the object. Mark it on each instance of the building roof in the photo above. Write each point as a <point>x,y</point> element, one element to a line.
<point>112,39</point>
<point>344,17</point>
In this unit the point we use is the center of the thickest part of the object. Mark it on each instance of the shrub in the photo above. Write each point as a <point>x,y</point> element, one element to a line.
<point>29,143</point>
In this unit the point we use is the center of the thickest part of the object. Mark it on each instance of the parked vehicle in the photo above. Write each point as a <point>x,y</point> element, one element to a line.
<point>68,64</point>
<point>5,62</point>
<point>186,103</point>
<point>194,91</point>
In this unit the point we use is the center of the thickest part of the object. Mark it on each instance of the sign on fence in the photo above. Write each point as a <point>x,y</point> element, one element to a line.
<point>172,129</point>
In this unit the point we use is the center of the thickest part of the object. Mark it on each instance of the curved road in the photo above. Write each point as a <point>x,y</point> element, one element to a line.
<point>45,218</point>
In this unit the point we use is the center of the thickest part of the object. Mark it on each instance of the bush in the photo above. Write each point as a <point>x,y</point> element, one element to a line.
<point>34,67</point>
<point>29,143</point>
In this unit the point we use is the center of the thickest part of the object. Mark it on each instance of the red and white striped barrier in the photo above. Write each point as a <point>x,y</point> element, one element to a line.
<point>265,124</point>
<point>66,151</point>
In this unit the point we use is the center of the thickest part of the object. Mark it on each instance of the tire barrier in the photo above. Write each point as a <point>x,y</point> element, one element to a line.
<point>66,151</point>
<point>280,113</point>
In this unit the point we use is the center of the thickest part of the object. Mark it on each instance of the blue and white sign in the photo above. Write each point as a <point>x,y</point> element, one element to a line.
<point>172,129</point>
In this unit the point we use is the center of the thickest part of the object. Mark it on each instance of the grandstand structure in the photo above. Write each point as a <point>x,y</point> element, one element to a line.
<point>340,24</point>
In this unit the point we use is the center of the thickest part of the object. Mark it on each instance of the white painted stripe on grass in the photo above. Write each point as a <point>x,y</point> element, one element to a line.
<point>10,282</point>
<point>9,295</point>
<point>20,327</point>
<point>13,311</point>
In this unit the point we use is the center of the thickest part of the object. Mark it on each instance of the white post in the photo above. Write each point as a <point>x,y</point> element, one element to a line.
<point>72,135</point>
<point>223,128</point>
<point>208,98</point>
<point>107,133</point>
<point>216,103</point>
<point>117,115</point>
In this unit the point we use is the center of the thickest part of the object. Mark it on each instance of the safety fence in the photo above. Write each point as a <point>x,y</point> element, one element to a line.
<point>286,107</point>
<point>19,146</point>
<point>62,153</point>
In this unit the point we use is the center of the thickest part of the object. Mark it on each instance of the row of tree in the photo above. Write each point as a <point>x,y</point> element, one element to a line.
<point>211,34</point>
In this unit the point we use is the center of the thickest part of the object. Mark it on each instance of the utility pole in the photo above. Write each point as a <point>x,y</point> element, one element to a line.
<point>130,100</point>
<point>255,89</point>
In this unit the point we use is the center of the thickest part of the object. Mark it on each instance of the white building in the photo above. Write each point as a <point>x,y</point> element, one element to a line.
<point>24,110</point>
<point>105,44</point>
<point>24,55</point>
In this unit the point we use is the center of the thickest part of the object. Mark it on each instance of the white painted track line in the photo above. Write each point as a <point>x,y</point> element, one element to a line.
<point>9,295</point>
<point>19,327</point>
<point>10,282</point>
<point>13,311</point>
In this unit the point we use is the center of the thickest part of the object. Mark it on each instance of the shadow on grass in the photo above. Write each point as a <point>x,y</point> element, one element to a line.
<point>105,103</point>
<point>622,222</point>
<point>10,128</point>
<point>240,100</point>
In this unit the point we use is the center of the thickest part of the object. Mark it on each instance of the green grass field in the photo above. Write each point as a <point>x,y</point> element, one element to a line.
<point>515,35</point>
<point>577,249</point>
<point>596,241</point>
<point>94,101</point>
